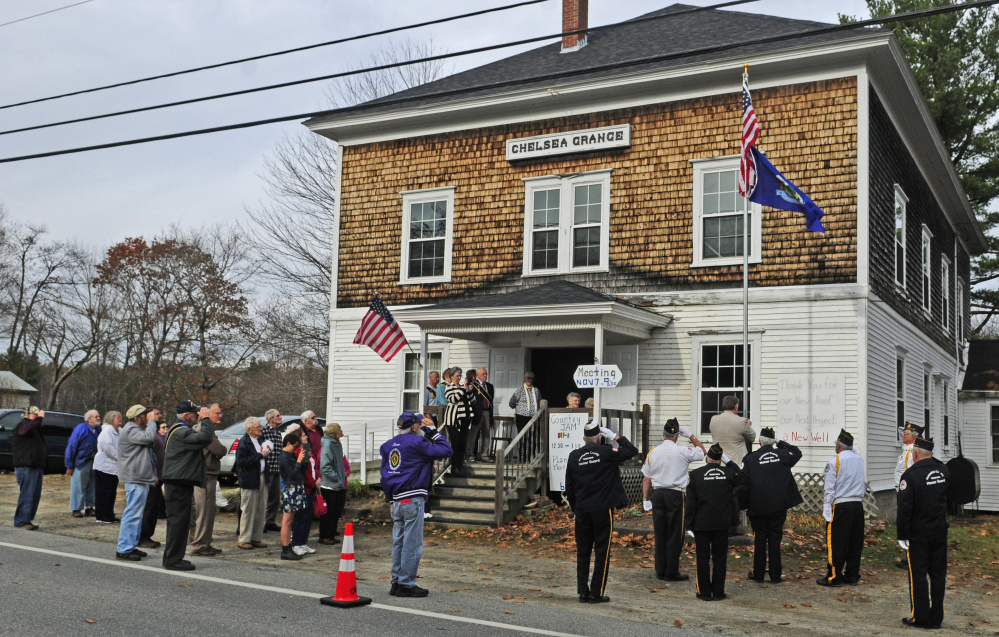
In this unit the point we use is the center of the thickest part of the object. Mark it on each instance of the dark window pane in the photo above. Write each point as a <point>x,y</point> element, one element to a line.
<point>426,258</point>
<point>726,377</point>
<point>709,355</point>
<point>726,355</point>
<point>586,247</point>
<point>544,253</point>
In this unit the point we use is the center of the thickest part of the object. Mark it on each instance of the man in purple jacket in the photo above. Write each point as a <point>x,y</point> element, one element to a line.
<point>80,452</point>
<point>407,466</point>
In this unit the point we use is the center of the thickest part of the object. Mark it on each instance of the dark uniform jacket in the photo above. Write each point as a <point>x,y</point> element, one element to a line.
<point>593,476</point>
<point>922,500</point>
<point>770,485</point>
<point>709,496</point>
<point>27,445</point>
<point>183,461</point>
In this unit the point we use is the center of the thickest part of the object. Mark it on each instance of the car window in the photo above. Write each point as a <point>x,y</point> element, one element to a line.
<point>59,424</point>
<point>9,420</point>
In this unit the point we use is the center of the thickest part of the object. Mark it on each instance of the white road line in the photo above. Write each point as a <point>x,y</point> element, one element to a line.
<point>284,591</point>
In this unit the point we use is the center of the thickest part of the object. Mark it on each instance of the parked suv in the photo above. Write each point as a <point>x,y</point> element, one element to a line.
<point>56,429</point>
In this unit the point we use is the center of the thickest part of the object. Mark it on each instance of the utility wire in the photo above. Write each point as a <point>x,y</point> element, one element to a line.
<point>274,54</point>
<point>68,6</point>
<point>382,67</point>
<point>911,15</point>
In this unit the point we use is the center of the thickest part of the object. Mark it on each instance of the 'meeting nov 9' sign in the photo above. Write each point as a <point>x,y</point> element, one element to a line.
<point>579,141</point>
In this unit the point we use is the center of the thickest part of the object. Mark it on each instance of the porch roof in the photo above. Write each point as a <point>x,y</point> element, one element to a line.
<point>559,306</point>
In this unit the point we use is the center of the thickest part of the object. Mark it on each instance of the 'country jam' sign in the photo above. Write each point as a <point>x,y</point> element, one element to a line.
<point>580,141</point>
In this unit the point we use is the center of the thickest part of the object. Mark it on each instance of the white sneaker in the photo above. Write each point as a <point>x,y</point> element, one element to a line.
<point>308,549</point>
<point>299,550</point>
<point>427,516</point>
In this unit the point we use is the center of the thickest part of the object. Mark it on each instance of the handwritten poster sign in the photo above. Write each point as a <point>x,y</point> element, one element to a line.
<point>811,408</point>
<point>565,433</point>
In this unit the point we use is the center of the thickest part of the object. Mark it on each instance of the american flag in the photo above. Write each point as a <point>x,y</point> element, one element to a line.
<point>750,131</point>
<point>380,332</point>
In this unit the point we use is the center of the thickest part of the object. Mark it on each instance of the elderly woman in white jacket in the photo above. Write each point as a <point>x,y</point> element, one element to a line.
<point>106,468</point>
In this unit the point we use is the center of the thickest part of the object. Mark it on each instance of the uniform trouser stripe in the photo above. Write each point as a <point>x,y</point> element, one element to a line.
<point>610,538</point>
<point>832,566</point>
<point>912,598</point>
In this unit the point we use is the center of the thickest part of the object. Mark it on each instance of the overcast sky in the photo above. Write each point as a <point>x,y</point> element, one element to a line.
<point>104,196</point>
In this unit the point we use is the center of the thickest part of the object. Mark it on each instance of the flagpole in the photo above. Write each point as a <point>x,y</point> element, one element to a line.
<point>745,288</point>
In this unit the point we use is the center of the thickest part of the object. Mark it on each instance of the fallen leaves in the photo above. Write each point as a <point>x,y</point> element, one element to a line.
<point>508,611</point>
<point>454,610</point>
<point>90,621</point>
<point>677,623</point>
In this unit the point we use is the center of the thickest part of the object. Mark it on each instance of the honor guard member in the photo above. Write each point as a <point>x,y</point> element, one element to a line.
<point>593,488</point>
<point>666,472</point>
<point>843,510</point>
<point>905,460</point>
<point>771,490</point>
<point>922,532</point>
<point>709,510</point>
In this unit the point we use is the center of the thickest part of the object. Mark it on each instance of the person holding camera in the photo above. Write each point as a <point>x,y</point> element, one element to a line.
<point>407,465</point>
<point>594,489</point>
<point>294,462</point>
<point>28,453</point>
<point>250,463</point>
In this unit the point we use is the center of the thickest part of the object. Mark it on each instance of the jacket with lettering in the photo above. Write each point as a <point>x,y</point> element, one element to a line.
<point>408,464</point>
<point>922,500</point>
<point>709,496</point>
<point>770,485</point>
<point>593,476</point>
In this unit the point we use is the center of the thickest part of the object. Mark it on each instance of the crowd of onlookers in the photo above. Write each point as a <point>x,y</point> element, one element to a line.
<point>171,472</point>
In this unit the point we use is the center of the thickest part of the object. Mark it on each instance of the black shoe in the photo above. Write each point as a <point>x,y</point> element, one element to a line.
<point>394,589</point>
<point>706,598</point>
<point>140,553</point>
<point>598,600</point>
<point>719,598</point>
<point>77,514</point>
<point>902,563</point>
<point>411,591</point>
<point>909,621</point>
<point>679,577</point>
<point>660,577</point>
<point>776,581</point>
<point>584,598</point>
<point>89,512</point>
<point>270,526</point>
<point>751,576</point>
<point>822,581</point>
<point>288,554</point>
<point>130,557</point>
<point>183,565</point>
<point>149,544</point>
<point>852,582</point>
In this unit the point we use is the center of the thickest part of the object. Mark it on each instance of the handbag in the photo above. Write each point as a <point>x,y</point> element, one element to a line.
<point>319,505</point>
<point>346,467</point>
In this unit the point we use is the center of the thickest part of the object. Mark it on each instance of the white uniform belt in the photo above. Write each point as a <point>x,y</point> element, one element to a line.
<point>852,499</point>
<point>680,489</point>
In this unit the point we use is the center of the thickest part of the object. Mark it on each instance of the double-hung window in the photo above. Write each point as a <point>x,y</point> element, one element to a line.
<point>412,379</point>
<point>945,293</point>
<point>427,231</point>
<point>994,432</point>
<point>900,202</point>
<point>900,394</point>
<point>945,408</point>
<point>718,362</point>
<point>927,253</point>
<point>718,215</point>
<point>566,224</point>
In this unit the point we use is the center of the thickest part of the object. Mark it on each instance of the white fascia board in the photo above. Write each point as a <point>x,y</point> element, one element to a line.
<point>775,294</point>
<point>568,97</point>
<point>610,308</point>
<point>892,77</point>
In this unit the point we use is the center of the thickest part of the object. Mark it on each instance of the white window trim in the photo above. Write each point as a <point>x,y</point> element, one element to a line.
<point>927,384</point>
<point>900,357</point>
<point>926,278</point>
<point>410,197</point>
<point>945,400</point>
<point>733,338</point>
<point>899,197</point>
<point>988,432</point>
<point>713,164</point>
<point>567,184</point>
<point>442,348</point>
<point>959,310</point>
<point>945,310</point>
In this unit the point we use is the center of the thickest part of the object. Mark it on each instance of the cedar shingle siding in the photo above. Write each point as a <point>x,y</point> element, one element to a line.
<point>891,163</point>
<point>809,131</point>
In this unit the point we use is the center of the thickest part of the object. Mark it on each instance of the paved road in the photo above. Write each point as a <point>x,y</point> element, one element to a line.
<point>49,585</point>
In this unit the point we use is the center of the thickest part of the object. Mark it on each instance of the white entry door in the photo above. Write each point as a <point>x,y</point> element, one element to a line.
<point>625,395</point>
<point>506,373</point>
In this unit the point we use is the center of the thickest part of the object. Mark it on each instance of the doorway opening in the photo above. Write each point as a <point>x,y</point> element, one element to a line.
<point>553,368</point>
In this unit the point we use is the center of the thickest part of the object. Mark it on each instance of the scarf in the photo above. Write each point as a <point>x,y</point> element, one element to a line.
<point>532,403</point>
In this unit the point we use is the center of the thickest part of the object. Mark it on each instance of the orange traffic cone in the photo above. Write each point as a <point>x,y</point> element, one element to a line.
<point>346,578</point>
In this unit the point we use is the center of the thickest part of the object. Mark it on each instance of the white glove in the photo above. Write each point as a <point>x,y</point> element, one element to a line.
<point>726,459</point>
<point>686,433</point>
<point>691,535</point>
<point>607,433</point>
<point>904,544</point>
<point>647,505</point>
<point>827,515</point>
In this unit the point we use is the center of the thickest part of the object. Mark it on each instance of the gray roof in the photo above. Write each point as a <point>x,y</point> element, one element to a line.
<point>555,293</point>
<point>9,381</point>
<point>624,46</point>
<point>983,366</point>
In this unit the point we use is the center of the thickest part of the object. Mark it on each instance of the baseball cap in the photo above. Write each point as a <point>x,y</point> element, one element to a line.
<point>409,418</point>
<point>135,411</point>
<point>187,407</point>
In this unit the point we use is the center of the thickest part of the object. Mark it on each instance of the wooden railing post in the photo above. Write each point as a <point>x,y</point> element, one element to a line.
<point>646,416</point>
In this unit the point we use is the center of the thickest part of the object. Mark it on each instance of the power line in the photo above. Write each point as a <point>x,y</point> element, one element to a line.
<point>382,67</point>
<point>912,15</point>
<point>274,54</point>
<point>68,6</point>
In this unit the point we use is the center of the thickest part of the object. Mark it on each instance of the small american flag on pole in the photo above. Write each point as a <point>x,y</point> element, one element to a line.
<point>380,332</point>
<point>750,131</point>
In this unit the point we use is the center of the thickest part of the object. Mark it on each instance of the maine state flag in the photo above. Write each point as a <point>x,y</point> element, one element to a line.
<point>774,190</point>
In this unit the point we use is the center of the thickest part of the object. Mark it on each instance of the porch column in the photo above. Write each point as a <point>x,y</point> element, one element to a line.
<point>424,370</point>
<point>598,359</point>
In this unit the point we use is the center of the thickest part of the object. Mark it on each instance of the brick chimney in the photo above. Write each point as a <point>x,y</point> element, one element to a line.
<point>575,15</point>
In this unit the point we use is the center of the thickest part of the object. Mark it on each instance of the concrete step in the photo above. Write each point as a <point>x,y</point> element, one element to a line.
<point>449,522</point>
<point>448,516</point>
<point>470,481</point>
<point>465,492</point>
<point>460,504</point>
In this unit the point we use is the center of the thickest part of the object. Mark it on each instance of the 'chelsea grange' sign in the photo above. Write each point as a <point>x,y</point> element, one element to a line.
<point>580,141</point>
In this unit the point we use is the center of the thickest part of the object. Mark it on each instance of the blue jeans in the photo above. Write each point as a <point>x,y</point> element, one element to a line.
<point>407,540</point>
<point>131,519</point>
<point>302,524</point>
<point>83,488</point>
<point>29,479</point>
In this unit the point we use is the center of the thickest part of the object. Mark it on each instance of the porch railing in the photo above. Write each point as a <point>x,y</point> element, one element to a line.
<point>634,425</point>
<point>444,465</point>
<point>518,461</point>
